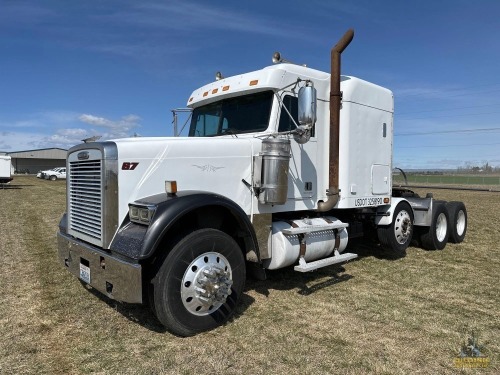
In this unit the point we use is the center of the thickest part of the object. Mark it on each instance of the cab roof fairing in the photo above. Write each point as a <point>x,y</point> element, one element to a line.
<point>273,77</point>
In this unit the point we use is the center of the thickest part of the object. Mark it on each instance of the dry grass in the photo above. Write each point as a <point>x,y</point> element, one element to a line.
<point>373,315</point>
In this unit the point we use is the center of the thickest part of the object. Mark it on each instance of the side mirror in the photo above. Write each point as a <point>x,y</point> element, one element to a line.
<point>307,106</point>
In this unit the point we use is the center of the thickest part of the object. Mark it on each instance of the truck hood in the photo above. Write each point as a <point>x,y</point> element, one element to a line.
<point>205,164</point>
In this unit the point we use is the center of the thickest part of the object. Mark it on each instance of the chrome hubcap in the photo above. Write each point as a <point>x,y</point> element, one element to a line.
<point>206,283</point>
<point>402,227</point>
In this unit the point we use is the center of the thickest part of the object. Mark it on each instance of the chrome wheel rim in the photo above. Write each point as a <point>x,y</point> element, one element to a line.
<point>441,227</point>
<point>461,220</point>
<point>402,227</point>
<point>206,284</point>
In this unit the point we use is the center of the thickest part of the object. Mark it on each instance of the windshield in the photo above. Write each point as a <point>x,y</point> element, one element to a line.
<point>242,114</point>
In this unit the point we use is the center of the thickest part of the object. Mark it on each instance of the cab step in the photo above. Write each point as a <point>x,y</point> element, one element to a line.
<point>303,266</point>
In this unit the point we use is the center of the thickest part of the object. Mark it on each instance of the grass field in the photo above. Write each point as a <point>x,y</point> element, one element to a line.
<point>372,315</point>
<point>489,181</point>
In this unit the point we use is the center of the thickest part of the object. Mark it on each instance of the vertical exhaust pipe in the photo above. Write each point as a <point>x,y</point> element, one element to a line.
<point>335,103</point>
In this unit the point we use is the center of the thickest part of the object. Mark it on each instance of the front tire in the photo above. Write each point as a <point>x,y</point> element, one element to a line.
<point>199,283</point>
<point>397,236</point>
<point>53,178</point>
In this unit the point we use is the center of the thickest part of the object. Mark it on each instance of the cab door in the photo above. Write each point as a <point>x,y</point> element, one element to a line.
<point>302,180</point>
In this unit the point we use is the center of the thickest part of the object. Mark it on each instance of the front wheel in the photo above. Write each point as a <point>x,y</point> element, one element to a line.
<point>53,178</point>
<point>397,236</point>
<point>199,283</point>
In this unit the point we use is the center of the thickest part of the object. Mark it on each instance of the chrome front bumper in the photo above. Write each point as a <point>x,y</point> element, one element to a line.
<point>115,278</point>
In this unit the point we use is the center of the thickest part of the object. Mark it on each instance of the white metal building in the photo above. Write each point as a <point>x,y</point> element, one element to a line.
<point>32,161</point>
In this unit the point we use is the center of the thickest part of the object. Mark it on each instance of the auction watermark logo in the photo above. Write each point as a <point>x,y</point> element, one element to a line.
<point>472,354</point>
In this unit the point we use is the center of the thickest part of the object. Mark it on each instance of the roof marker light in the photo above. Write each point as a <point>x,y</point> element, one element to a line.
<point>225,88</point>
<point>254,82</point>
<point>214,91</point>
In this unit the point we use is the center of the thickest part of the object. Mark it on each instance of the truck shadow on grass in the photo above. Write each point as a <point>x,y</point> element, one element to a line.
<point>367,247</point>
<point>144,316</point>
<point>288,279</point>
<point>306,283</point>
<point>12,187</point>
<point>140,314</point>
<point>285,279</point>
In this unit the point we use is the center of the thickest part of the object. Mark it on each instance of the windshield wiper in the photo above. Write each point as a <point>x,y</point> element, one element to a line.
<point>229,131</point>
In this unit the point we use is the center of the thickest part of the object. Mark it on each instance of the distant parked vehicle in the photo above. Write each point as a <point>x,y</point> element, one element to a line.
<point>52,174</point>
<point>5,169</point>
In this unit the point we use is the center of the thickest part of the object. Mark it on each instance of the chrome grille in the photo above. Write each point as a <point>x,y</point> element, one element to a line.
<point>85,199</point>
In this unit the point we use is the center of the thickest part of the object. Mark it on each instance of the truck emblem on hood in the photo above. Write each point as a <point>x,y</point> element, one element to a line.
<point>207,167</point>
<point>84,155</point>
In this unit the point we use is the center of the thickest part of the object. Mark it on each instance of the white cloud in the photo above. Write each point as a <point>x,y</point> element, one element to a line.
<point>19,141</point>
<point>94,120</point>
<point>154,31</point>
<point>429,93</point>
<point>74,133</point>
<point>41,120</point>
<point>112,129</point>
<point>19,14</point>
<point>197,16</point>
<point>62,129</point>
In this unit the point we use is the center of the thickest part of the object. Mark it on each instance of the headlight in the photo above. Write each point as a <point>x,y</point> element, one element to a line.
<point>141,214</point>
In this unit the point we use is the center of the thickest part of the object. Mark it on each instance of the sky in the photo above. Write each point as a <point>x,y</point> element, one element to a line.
<point>75,69</point>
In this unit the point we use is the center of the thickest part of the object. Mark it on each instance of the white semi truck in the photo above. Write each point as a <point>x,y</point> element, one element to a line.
<point>5,169</point>
<point>281,167</point>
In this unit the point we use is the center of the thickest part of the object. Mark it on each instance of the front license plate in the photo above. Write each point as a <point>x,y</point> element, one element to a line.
<point>85,273</point>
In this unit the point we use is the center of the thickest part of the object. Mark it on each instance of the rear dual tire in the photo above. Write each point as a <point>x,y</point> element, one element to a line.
<point>458,221</point>
<point>435,237</point>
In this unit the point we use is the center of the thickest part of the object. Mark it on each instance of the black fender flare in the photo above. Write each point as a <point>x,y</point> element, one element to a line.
<point>141,242</point>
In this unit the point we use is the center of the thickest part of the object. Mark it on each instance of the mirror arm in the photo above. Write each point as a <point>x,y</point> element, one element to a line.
<point>295,84</point>
<point>283,106</point>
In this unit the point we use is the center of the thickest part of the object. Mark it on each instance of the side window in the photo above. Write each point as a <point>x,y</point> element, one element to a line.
<point>207,124</point>
<point>286,123</point>
<point>292,104</point>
